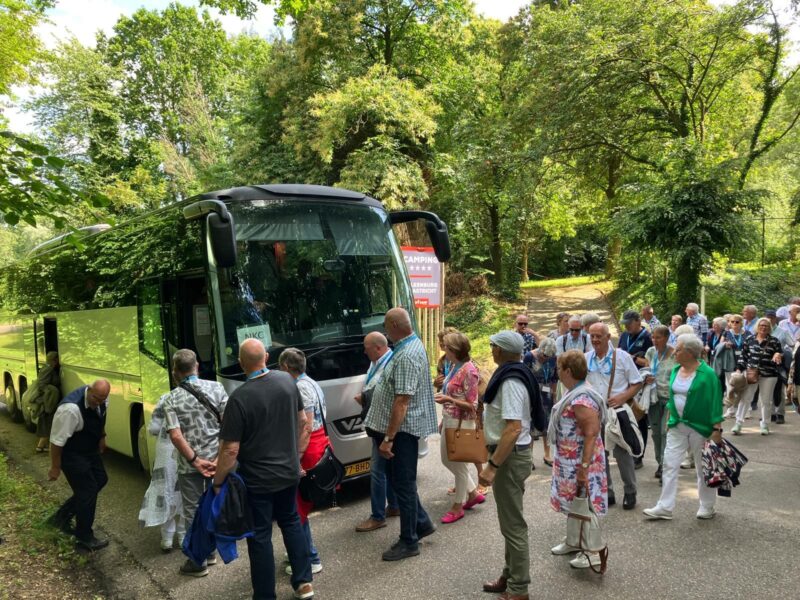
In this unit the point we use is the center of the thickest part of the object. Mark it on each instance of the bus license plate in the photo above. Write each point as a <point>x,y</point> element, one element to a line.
<point>357,469</point>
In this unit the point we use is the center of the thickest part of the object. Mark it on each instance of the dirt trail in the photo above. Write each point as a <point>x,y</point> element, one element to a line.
<point>544,304</point>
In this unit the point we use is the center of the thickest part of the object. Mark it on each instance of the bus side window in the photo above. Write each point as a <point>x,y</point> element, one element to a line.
<point>151,331</point>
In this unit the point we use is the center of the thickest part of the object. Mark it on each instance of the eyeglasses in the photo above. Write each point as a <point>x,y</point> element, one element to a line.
<point>575,330</point>
<point>521,323</point>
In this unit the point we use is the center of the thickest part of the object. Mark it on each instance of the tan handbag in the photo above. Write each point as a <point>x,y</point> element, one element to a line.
<point>752,375</point>
<point>466,445</point>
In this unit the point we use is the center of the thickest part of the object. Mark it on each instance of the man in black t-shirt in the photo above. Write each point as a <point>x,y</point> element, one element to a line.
<point>265,428</point>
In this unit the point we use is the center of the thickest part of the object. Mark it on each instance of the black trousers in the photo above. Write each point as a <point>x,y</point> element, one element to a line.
<point>86,476</point>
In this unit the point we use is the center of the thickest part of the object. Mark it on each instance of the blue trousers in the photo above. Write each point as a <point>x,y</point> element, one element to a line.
<point>401,473</point>
<point>379,486</point>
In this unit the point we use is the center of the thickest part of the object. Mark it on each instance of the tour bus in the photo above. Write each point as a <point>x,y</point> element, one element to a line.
<point>292,265</point>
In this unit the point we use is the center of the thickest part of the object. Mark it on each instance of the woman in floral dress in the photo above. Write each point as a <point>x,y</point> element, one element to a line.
<point>579,457</point>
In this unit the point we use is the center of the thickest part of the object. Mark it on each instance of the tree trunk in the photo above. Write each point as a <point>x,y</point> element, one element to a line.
<point>614,244</point>
<point>525,247</point>
<point>688,279</point>
<point>495,249</point>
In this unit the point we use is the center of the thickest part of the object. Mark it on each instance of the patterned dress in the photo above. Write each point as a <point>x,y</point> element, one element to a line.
<point>568,454</point>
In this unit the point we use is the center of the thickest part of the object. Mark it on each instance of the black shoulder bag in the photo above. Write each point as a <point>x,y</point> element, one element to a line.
<point>203,399</point>
<point>320,481</point>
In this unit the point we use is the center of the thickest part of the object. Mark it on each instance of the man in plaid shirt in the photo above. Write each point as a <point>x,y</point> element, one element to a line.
<point>402,412</point>
<point>698,322</point>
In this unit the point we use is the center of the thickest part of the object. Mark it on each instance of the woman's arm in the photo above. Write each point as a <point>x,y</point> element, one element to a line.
<point>589,424</point>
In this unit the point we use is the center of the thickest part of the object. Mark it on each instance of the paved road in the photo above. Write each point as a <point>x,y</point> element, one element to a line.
<point>748,551</point>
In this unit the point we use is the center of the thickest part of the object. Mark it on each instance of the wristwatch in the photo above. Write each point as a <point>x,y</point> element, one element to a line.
<point>584,465</point>
<point>387,440</point>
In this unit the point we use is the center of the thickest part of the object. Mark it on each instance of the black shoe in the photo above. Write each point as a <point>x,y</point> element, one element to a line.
<point>629,501</point>
<point>426,532</point>
<point>400,551</point>
<point>612,499</point>
<point>193,570</point>
<point>533,466</point>
<point>780,420</point>
<point>92,543</point>
<point>774,418</point>
<point>658,472</point>
<point>638,464</point>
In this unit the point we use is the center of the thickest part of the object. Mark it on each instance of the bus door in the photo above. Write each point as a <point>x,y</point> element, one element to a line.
<point>189,320</point>
<point>46,332</point>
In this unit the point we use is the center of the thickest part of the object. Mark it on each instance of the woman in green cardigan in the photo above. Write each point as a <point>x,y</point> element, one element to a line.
<point>695,412</point>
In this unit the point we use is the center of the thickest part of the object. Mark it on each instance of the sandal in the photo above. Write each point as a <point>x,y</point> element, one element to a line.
<point>40,449</point>
<point>549,463</point>
<point>451,491</point>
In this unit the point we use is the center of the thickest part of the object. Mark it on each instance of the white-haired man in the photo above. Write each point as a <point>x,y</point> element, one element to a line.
<point>698,322</point>
<point>750,314</point>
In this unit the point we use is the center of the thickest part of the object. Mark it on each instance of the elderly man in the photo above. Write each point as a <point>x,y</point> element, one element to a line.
<point>193,414</point>
<point>750,314</point>
<point>649,319</point>
<point>783,311</point>
<point>77,438</point>
<point>376,347</point>
<point>512,401</point>
<point>402,412</point>
<point>620,390</point>
<point>587,320</point>
<point>636,341</point>
<point>574,339</point>
<point>266,430</point>
<point>529,335</point>
<point>791,324</point>
<point>698,322</point>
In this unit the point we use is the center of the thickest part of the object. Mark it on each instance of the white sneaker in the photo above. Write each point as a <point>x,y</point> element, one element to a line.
<point>315,568</point>
<point>657,512</point>
<point>582,561</point>
<point>737,429</point>
<point>423,448</point>
<point>706,513</point>
<point>764,430</point>
<point>688,464</point>
<point>562,549</point>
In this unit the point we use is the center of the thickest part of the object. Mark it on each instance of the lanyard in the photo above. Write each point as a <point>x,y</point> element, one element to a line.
<point>738,339</point>
<point>594,365</point>
<point>189,378</point>
<point>399,345</point>
<point>547,370</point>
<point>446,365</point>
<point>376,366</point>
<point>258,373</point>
<point>450,376</point>
<point>633,343</point>
<point>657,359</point>
<point>574,344</point>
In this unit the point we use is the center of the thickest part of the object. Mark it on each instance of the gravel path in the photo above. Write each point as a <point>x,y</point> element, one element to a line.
<point>545,303</point>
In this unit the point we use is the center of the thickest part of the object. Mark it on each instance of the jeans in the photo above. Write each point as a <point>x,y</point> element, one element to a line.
<point>86,476</point>
<point>658,421</point>
<point>312,549</point>
<point>280,506</point>
<point>401,473</point>
<point>379,487</point>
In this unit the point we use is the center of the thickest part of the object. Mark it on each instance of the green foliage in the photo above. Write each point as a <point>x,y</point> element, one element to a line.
<point>19,44</point>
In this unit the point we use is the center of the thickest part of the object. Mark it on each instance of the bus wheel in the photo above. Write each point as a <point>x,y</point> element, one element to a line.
<point>10,398</point>
<point>141,446</point>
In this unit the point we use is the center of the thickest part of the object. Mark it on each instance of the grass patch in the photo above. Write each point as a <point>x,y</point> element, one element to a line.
<point>563,282</point>
<point>38,560</point>
<point>478,318</point>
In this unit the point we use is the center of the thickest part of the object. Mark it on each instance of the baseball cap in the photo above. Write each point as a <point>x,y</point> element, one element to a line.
<point>630,315</point>
<point>510,341</point>
<point>771,313</point>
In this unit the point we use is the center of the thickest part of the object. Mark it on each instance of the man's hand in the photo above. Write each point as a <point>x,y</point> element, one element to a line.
<point>616,401</point>
<point>359,398</point>
<point>649,379</point>
<point>53,473</point>
<point>206,467</point>
<point>385,450</point>
<point>486,478</point>
<point>640,361</point>
<point>103,444</point>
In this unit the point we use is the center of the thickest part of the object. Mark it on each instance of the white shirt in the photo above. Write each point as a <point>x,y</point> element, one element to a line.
<point>567,342</point>
<point>680,389</point>
<point>66,421</point>
<point>512,404</point>
<point>626,374</point>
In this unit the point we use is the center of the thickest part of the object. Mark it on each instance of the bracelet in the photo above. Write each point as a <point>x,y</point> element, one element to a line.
<point>194,458</point>
<point>493,464</point>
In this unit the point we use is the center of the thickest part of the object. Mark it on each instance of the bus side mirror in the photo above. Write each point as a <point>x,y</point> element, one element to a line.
<point>221,231</point>
<point>223,240</point>
<point>437,230</point>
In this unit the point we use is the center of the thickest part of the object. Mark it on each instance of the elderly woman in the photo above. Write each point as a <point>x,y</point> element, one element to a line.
<point>675,322</point>
<point>293,361</point>
<point>695,412</point>
<point>734,340</point>
<point>760,360</point>
<point>542,362</point>
<point>660,359</point>
<point>562,326</point>
<point>459,400</point>
<point>574,433</point>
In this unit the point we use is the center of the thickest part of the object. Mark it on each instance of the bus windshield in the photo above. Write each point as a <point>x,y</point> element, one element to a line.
<point>309,274</point>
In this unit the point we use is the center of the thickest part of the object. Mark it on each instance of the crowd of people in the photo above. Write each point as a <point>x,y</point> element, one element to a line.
<point>674,384</point>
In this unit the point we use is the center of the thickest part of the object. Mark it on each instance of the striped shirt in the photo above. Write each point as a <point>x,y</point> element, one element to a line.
<point>758,355</point>
<point>406,374</point>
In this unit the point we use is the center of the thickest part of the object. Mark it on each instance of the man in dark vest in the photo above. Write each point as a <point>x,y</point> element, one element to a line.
<point>76,440</point>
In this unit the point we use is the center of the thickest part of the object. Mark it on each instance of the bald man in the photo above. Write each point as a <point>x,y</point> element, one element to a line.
<point>76,440</point>
<point>376,347</point>
<point>266,431</point>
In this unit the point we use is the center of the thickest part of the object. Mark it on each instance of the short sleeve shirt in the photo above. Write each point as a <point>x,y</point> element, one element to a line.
<point>198,425</point>
<point>406,374</point>
<point>313,399</point>
<point>511,404</point>
<point>626,374</point>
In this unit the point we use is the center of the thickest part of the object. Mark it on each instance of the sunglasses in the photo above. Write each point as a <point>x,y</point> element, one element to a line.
<point>735,321</point>
<point>521,323</point>
<point>575,330</point>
